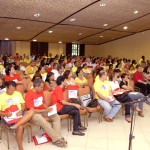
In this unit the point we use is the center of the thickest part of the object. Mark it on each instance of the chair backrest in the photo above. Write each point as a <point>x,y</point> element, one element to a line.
<point>47,97</point>
<point>83,90</point>
<point>25,82</point>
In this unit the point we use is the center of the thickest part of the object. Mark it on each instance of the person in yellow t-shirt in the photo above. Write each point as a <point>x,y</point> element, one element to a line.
<point>80,80</point>
<point>105,97</point>
<point>26,59</point>
<point>85,69</point>
<point>32,68</point>
<point>74,68</point>
<point>13,104</point>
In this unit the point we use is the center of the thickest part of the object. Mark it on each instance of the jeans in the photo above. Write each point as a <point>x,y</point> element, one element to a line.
<point>74,112</point>
<point>144,88</point>
<point>136,96</point>
<point>110,108</point>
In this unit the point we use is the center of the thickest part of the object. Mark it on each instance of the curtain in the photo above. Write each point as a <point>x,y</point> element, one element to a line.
<point>6,47</point>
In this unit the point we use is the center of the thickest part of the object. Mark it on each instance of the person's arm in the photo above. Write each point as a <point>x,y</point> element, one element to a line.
<point>103,97</point>
<point>70,104</point>
<point>8,114</point>
<point>147,77</point>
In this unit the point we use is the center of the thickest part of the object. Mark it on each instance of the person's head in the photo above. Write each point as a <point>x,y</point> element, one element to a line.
<point>114,76</point>
<point>36,75</point>
<point>32,63</point>
<point>103,75</point>
<point>55,66</point>
<point>10,86</point>
<point>139,68</point>
<point>88,60</point>
<point>38,84</point>
<point>147,69</point>
<point>61,81</point>
<point>10,69</point>
<point>79,72</point>
<point>50,77</point>
<point>84,66</point>
<point>66,66</point>
<point>131,67</point>
<point>67,74</point>
<point>41,69</point>
<point>117,71</point>
<point>76,63</point>
<point>60,69</point>
<point>124,77</point>
<point>111,66</point>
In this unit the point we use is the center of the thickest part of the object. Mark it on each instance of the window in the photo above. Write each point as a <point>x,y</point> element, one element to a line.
<point>75,49</point>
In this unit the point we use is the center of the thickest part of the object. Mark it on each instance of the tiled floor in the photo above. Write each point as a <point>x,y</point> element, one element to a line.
<point>103,136</point>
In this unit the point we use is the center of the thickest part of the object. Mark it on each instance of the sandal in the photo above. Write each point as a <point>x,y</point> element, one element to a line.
<point>61,142</point>
<point>128,119</point>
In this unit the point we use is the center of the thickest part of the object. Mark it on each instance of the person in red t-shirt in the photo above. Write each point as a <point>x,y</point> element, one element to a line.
<point>11,74</point>
<point>140,82</point>
<point>64,107</point>
<point>35,101</point>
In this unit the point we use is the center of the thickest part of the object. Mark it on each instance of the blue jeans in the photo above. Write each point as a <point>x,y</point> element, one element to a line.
<point>136,96</point>
<point>110,108</point>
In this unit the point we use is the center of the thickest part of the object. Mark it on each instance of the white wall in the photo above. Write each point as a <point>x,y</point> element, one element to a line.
<point>132,47</point>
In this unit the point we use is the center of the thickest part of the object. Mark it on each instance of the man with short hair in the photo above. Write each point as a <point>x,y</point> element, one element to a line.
<point>35,101</point>
<point>105,97</point>
<point>65,107</point>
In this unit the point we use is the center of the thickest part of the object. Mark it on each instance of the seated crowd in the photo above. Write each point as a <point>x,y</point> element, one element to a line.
<point>112,82</point>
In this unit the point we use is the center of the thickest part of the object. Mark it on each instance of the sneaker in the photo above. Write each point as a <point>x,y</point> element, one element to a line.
<point>81,127</point>
<point>61,142</point>
<point>77,132</point>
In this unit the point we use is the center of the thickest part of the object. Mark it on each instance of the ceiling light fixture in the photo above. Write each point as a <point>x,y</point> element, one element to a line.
<point>73,19</point>
<point>34,40</point>
<point>136,12</point>
<point>6,39</point>
<point>18,28</point>
<point>80,33</point>
<point>37,15</point>
<point>50,31</point>
<point>125,27</point>
<point>105,24</point>
<point>60,42</point>
<point>102,4</point>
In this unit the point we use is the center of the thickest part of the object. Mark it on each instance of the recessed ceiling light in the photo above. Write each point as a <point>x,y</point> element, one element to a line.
<point>80,33</point>
<point>18,28</point>
<point>73,19</point>
<point>102,4</point>
<point>34,40</point>
<point>136,12</point>
<point>125,27</point>
<point>105,24</point>
<point>60,42</point>
<point>50,31</point>
<point>101,36</point>
<point>6,39</point>
<point>37,15</point>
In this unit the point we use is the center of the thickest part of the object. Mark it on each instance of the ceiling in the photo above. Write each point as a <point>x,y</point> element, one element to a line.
<point>88,27</point>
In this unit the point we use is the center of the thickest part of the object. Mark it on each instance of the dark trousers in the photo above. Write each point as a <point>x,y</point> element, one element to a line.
<point>74,112</point>
<point>144,88</point>
<point>124,99</point>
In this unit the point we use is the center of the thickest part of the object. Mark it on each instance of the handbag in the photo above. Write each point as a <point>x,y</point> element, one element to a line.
<point>93,103</point>
<point>85,100</point>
